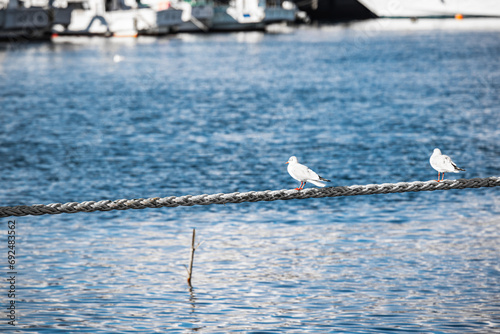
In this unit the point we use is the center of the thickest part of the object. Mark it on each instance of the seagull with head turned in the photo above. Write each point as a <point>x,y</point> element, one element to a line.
<point>443,164</point>
<point>303,174</point>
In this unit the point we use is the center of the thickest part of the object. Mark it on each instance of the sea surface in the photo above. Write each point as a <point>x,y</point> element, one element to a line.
<point>89,119</point>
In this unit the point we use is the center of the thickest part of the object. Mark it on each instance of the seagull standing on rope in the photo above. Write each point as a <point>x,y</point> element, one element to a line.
<point>303,174</point>
<point>443,164</point>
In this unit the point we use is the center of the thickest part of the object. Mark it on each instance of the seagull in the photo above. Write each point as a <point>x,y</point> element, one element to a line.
<point>303,174</point>
<point>443,164</point>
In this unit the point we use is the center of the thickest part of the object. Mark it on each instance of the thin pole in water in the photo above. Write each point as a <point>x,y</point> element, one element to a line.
<point>190,270</point>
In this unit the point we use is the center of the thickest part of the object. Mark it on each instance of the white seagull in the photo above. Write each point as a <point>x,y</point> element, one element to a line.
<point>443,164</point>
<point>303,174</point>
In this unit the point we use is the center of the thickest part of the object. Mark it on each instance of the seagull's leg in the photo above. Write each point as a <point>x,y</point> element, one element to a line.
<point>439,175</point>
<point>442,178</point>
<point>303,185</point>
<point>299,188</point>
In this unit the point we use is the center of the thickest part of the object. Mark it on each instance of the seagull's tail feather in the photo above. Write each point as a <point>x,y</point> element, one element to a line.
<point>317,183</point>
<point>323,179</point>
<point>457,169</point>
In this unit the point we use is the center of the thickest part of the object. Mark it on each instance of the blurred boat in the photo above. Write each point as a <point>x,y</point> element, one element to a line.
<point>197,15</point>
<point>279,12</point>
<point>433,8</point>
<point>23,20</point>
<point>237,15</point>
<point>122,18</point>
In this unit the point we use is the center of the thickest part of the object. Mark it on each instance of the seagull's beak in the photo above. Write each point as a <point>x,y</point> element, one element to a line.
<point>288,162</point>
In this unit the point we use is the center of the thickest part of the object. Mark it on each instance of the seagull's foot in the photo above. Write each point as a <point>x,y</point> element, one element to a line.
<point>437,180</point>
<point>299,189</point>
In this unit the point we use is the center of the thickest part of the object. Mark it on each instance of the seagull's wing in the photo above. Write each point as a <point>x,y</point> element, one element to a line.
<point>304,173</point>
<point>449,164</point>
<point>447,161</point>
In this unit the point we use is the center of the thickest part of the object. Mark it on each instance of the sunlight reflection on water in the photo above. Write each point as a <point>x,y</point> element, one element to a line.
<point>293,277</point>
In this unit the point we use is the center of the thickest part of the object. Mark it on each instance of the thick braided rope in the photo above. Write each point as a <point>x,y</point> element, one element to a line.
<point>252,196</point>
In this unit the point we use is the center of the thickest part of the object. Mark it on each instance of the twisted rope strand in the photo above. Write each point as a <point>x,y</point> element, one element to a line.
<point>251,196</point>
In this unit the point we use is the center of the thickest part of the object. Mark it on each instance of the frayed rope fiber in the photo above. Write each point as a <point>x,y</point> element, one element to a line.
<point>251,196</point>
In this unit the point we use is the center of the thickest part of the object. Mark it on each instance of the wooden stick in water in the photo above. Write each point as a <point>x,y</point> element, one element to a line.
<point>190,270</point>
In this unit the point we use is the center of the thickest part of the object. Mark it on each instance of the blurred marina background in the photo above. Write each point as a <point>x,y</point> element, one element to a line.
<point>359,101</point>
<point>22,20</point>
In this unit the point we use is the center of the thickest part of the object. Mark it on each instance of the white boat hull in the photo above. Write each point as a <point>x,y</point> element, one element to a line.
<point>432,8</point>
<point>129,22</point>
<point>224,21</point>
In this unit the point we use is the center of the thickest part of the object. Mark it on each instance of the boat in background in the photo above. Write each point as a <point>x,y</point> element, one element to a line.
<point>237,15</point>
<point>22,21</point>
<point>279,12</point>
<point>122,18</point>
<point>433,8</point>
<point>197,15</point>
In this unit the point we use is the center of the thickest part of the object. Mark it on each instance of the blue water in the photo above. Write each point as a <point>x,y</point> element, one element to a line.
<point>194,114</point>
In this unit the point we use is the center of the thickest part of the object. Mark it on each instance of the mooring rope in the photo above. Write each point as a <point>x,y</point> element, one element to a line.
<point>251,196</point>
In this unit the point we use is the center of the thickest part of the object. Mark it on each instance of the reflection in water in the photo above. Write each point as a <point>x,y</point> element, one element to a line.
<point>192,299</point>
<point>195,320</point>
